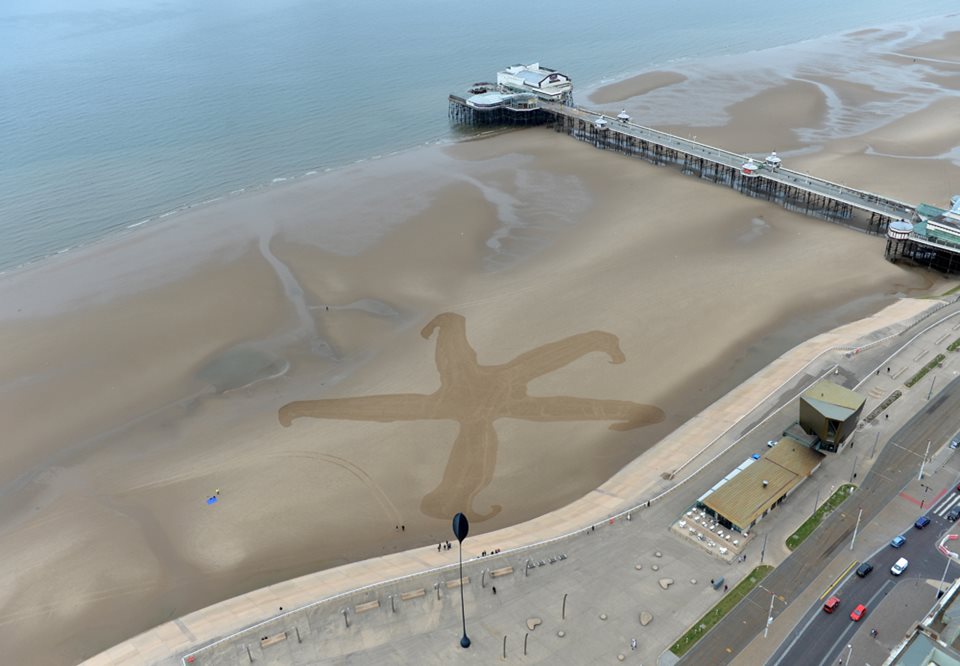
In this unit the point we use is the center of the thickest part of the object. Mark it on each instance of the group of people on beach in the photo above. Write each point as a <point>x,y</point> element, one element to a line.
<point>446,546</point>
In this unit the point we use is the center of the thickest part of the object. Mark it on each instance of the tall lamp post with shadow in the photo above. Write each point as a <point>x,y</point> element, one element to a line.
<point>461,526</point>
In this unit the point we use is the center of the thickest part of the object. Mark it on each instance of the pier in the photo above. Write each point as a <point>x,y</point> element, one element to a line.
<point>527,95</point>
<point>762,179</point>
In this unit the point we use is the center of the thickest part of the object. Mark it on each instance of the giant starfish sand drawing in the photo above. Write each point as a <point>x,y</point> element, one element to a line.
<point>477,395</point>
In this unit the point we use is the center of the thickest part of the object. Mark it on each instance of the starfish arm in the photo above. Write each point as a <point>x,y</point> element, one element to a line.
<point>456,359</point>
<point>384,408</point>
<point>566,408</point>
<point>555,355</point>
<point>469,470</point>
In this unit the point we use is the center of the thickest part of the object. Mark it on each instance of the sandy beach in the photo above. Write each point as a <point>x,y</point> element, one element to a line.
<point>524,305</point>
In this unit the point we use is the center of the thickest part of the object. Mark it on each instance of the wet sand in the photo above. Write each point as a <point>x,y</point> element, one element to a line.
<point>635,86</point>
<point>152,370</point>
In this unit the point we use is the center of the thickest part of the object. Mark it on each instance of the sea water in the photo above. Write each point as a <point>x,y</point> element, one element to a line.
<point>116,113</point>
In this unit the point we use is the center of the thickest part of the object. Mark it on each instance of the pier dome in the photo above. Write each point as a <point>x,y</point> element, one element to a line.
<point>623,116</point>
<point>749,169</point>
<point>899,230</point>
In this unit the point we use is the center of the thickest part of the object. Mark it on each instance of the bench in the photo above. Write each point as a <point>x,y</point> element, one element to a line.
<point>456,582</point>
<point>363,608</point>
<point>267,641</point>
<point>505,571</point>
<point>415,594</point>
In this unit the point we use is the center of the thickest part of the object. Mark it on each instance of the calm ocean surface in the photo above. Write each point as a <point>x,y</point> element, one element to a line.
<point>113,112</point>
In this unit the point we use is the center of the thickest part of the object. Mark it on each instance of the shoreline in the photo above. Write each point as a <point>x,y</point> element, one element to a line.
<point>530,236</point>
<point>639,82</point>
<point>612,499</point>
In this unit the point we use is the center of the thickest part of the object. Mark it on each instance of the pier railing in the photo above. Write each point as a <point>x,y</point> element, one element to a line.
<point>865,201</point>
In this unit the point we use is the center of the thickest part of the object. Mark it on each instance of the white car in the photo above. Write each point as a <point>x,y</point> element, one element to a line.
<point>772,442</point>
<point>899,566</point>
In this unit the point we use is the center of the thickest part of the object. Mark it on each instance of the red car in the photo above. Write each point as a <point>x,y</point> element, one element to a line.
<point>831,604</point>
<point>858,612</point>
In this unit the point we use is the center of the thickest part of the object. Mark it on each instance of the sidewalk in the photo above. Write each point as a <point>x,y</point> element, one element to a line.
<point>686,451</point>
<point>941,473</point>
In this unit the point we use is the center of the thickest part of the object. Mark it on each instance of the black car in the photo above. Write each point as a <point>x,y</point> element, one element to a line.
<point>954,514</point>
<point>864,569</point>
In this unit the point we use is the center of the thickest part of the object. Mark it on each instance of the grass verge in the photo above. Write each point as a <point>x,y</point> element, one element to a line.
<point>924,370</point>
<point>715,614</point>
<point>824,510</point>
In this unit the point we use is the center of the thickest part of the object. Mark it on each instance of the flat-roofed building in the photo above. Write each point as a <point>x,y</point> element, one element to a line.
<point>830,412</point>
<point>758,486</point>
<point>935,639</point>
<point>543,82</point>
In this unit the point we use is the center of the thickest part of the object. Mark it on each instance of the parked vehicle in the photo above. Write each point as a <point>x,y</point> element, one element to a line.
<point>899,566</point>
<point>955,442</point>
<point>858,612</point>
<point>864,569</point>
<point>898,541</point>
<point>832,604</point>
<point>922,522</point>
<point>772,443</point>
<point>954,514</point>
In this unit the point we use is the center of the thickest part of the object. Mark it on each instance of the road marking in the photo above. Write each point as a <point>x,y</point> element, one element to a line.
<point>946,505</point>
<point>907,497</point>
<point>831,658</point>
<point>813,616</point>
<point>839,578</point>
<point>949,500</point>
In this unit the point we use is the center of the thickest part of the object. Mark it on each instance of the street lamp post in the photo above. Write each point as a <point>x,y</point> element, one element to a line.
<point>461,527</point>
<point>855,528</point>
<point>769,615</point>
<point>942,579</point>
<point>924,461</point>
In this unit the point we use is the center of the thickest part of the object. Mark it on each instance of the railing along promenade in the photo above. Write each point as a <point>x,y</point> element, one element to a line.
<point>791,187</point>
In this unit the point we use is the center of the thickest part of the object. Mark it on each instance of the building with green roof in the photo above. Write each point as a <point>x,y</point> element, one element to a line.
<point>930,239</point>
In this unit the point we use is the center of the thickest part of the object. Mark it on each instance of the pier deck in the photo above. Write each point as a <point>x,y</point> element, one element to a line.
<point>881,209</point>
<point>905,226</point>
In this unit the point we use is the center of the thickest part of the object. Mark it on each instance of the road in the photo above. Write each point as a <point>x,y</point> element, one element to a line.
<point>821,638</point>
<point>895,465</point>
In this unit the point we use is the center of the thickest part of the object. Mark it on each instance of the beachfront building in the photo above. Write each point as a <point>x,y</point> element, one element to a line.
<point>545,83</point>
<point>759,485</point>
<point>514,99</point>
<point>930,239</point>
<point>830,412</point>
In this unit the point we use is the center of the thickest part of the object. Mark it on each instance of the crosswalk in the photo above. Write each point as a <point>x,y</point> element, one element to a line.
<point>948,502</point>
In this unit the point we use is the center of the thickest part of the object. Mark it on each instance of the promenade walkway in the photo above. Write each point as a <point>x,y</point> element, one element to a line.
<point>353,587</point>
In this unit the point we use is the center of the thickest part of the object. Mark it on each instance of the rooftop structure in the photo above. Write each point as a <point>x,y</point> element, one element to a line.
<point>936,639</point>
<point>756,487</point>
<point>545,83</point>
<point>830,412</point>
<point>931,238</point>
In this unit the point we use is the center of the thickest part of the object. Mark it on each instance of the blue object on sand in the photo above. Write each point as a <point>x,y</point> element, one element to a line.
<point>212,500</point>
